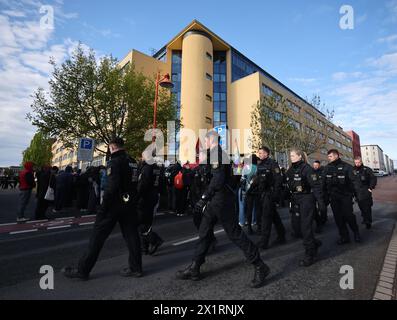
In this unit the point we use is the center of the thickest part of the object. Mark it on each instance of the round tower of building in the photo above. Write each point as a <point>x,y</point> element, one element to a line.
<point>196,85</point>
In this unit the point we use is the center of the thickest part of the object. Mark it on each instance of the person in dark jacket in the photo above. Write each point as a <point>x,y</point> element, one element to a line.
<point>94,189</point>
<point>320,216</point>
<point>305,189</point>
<point>148,189</point>
<point>118,206</point>
<point>45,179</point>
<point>26,186</point>
<point>82,191</point>
<point>364,182</point>
<point>339,191</point>
<point>63,191</point>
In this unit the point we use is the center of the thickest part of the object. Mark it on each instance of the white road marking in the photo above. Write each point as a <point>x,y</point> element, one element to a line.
<point>24,231</point>
<point>86,223</point>
<point>193,239</point>
<point>59,227</point>
<point>8,224</point>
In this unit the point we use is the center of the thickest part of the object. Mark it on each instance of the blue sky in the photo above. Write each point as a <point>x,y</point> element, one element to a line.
<point>299,42</point>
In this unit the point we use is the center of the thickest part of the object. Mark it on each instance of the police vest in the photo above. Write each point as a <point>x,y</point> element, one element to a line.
<point>265,175</point>
<point>336,175</point>
<point>297,182</point>
<point>362,176</point>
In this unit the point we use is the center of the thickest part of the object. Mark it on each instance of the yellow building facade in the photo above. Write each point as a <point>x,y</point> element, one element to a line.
<point>215,85</point>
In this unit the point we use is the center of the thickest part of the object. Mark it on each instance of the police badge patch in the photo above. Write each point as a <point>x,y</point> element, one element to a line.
<point>215,166</point>
<point>109,171</point>
<point>314,177</point>
<point>277,170</point>
<point>299,188</point>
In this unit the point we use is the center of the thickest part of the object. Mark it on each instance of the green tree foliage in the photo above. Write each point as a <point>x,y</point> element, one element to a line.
<point>271,125</point>
<point>99,100</point>
<point>39,150</point>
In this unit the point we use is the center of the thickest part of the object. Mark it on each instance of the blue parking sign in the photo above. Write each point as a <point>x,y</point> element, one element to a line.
<point>86,144</point>
<point>222,131</point>
<point>85,152</point>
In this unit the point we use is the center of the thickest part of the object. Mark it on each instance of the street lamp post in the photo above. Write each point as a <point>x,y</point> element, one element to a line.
<point>163,82</point>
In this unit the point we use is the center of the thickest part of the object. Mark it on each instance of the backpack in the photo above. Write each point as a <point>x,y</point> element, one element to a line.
<point>178,181</point>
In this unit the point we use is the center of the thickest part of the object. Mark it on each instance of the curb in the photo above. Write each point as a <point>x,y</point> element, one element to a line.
<point>386,288</point>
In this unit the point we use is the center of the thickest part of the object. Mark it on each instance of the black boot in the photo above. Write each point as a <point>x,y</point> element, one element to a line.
<point>192,272</point>
<point>307,261</point>
<point>343,241</point>
<point>279,241</point>
<point>261,272</point>
<point>73,273</point>
<point>155,245</point>
<point>357,237</point>
<point>249,230</point>
<point>127,272</point>
<point>368,225</point>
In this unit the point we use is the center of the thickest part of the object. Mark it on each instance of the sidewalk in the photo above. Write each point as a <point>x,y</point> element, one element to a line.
<point>387,283</point>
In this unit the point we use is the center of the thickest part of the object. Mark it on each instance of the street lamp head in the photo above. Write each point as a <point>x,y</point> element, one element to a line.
<point>166,82</point>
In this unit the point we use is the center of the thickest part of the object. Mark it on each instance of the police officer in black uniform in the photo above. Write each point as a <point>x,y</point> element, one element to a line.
<point>149,185</point>
<point>268,181</point>
<point>200,181</point>
<point>119,205</point>
<point>320,216</point>
<point>305,189</point>
<point>218,204</point>
<point>364,182</point>
<point>338,191</point>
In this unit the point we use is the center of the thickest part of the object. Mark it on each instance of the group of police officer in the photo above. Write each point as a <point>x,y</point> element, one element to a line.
<point>132,194</point>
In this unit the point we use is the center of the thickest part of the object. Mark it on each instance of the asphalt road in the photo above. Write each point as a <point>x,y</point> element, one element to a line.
<point>226,273</point>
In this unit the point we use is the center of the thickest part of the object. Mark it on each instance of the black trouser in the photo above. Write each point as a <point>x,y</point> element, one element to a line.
<point>146,212</point>
<point>41,208</point>
<point>320,216</point>
<point>365,206</point>
<point>342,208</point>
<point>269,215</point>
<point>181,200</point>
<point>222,208</point>
<point>104,224</point>
<point>303,207</point>
<point>250,200</point>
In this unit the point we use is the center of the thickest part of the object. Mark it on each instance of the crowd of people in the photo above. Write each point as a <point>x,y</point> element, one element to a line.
<point>9,181</point>
<point>243,195</point>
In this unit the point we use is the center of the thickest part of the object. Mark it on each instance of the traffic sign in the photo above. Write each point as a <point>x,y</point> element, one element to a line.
<point>222,131</point>
<point>85,151</point>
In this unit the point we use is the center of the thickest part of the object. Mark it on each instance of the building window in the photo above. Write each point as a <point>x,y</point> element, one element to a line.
<point>176,71</point>
<point>331,141</point>
<point>309,116</point>
<point>209,56</point>
<point>220,89</point>
<point>293,107</point>
<point>208,76</point>
<point>267,91</point>
<point>294,123</point>
<point>208,97</point>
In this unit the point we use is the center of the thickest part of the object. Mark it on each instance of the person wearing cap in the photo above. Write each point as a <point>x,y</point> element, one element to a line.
<point>218,204</point>
<point>119,205</point>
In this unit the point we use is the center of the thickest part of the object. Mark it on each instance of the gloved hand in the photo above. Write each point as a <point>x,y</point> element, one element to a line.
<point>200,205</point>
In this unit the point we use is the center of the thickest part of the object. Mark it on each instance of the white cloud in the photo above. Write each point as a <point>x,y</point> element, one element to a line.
<point>14,13</point>
<point>367,103</point>
<point>304,81</point>
<point>24,56</point>
<point>388,39</point>
<point>339,76</point>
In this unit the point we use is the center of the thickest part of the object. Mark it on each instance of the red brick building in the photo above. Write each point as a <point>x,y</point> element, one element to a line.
<point>356,143</point>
